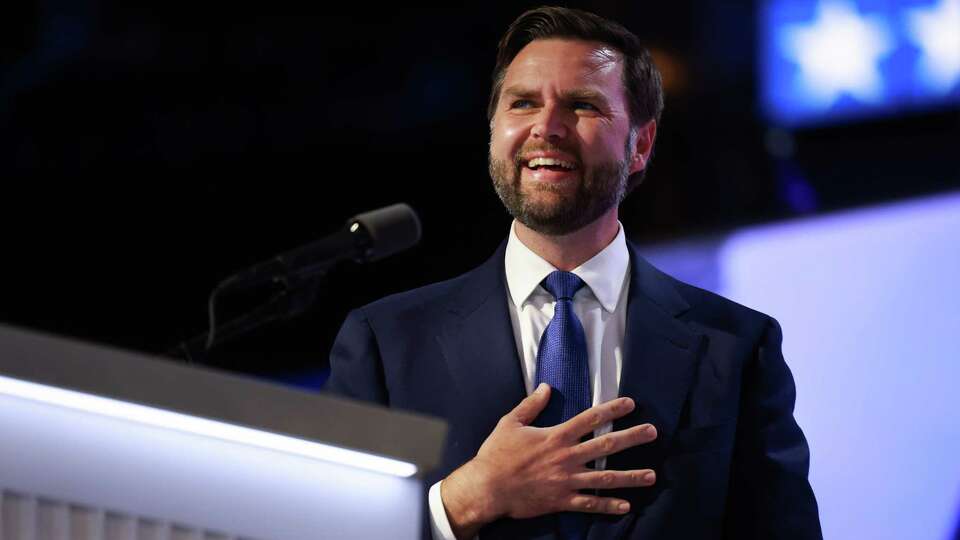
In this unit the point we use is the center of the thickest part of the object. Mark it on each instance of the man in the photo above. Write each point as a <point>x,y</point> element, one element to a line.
<point>700,443</point>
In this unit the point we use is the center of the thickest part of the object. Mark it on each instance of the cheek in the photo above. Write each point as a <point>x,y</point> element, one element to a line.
<point>589,136</point>
<point>506,139</point>
<point>602,148</point>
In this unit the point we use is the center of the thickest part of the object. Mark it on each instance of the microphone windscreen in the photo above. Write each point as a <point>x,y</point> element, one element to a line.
<point>392,229</point>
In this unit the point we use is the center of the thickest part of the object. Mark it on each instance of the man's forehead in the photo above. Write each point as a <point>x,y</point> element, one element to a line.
<point>581,67</point>
<point>588,55</point>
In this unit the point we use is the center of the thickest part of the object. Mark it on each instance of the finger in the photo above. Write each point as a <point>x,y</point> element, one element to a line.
<point>596,416</point>
<point>613,442</point>
<point>613,479</point>
<point>531,406</point>
<point>595,505</point>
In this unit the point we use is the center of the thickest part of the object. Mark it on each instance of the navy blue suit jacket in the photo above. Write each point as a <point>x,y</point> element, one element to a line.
<point>731,461</point>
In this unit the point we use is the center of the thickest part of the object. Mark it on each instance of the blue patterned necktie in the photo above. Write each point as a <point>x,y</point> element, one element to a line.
<point>562,358</point>
<point>562,363</point>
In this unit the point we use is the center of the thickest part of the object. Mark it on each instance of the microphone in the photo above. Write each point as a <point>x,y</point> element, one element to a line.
<point>391,229</point>
<point>367,237</point>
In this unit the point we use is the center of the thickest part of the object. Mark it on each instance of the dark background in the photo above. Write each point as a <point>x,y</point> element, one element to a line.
<point>148,149</point>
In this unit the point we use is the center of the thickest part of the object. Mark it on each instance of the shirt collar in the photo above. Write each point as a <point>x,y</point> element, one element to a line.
<point>605,273</point>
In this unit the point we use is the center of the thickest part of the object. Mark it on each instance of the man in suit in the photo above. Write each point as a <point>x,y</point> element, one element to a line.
<point>588,394</point>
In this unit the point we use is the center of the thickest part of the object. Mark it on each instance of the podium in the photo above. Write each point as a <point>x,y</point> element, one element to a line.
<point>99,443</point>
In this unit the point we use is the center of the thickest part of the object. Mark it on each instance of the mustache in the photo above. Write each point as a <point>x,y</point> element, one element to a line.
<point>544,147</point>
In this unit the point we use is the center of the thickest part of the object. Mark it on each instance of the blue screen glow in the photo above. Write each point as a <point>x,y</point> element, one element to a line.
<point>828,60</point>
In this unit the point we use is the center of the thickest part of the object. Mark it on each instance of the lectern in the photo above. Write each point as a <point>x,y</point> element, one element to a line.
<point>98,443</point>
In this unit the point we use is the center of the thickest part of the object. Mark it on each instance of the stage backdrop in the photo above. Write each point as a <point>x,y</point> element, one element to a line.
<point>869,301</point>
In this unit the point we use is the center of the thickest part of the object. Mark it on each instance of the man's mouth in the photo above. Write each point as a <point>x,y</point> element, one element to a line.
<point>550,164</point>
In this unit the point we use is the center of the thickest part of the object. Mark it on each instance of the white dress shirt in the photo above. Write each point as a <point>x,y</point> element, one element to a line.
<point>601,307</point>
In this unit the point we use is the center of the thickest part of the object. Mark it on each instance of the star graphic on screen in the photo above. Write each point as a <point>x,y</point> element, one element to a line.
<point>936,30</point>
<point>837,54</point>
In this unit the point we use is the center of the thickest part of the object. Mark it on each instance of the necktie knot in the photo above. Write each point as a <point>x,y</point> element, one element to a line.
<point>562,285</point>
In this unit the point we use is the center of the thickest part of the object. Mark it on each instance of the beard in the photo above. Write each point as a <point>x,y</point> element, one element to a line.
<point>559,212</point>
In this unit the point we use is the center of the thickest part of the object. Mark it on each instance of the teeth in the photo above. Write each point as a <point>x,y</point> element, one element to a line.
<point>541,161</point>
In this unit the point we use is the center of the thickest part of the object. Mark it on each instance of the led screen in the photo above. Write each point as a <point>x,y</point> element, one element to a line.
<point>823,61</point>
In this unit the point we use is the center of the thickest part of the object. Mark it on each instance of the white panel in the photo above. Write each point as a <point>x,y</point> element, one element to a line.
<point>183,533</point>
<point>139,470</point>
<point>28,517</point>
<point>118,527</point>
<point>19,517</point>
<point>53,521</point>
<point>153,530</point>
<point>86,523</point>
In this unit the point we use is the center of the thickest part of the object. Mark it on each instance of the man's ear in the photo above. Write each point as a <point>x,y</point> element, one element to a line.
<point>643,146</point>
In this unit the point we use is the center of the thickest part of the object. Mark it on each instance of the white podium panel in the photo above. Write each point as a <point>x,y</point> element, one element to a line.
<point>78,464</point>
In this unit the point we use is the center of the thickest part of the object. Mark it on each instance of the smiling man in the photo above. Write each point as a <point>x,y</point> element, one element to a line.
<point>588,394</point>
<point>562,142</point>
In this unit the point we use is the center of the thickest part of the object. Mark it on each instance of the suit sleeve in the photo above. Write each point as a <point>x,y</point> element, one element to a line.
<point>770,496</point>
<point>356,371</point>
<point>356,367</point>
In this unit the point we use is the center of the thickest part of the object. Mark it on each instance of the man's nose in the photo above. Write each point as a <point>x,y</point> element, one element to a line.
<point>549,124</point>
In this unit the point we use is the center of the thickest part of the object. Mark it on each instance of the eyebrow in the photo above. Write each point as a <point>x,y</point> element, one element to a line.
<point>575,94</point>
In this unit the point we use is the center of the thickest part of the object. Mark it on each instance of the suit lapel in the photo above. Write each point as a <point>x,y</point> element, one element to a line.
<point>478,345</point>
<point>659,350</point>
<point>659,361</point>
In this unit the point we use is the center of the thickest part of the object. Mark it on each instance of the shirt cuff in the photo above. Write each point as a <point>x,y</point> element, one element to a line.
<point>439,524</point>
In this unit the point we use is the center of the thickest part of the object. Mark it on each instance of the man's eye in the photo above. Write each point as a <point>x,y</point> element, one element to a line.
<point>521,104</point>
<point>584,105</point>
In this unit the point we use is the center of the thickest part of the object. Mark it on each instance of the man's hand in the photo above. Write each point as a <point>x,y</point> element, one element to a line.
<point>523,471</point>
